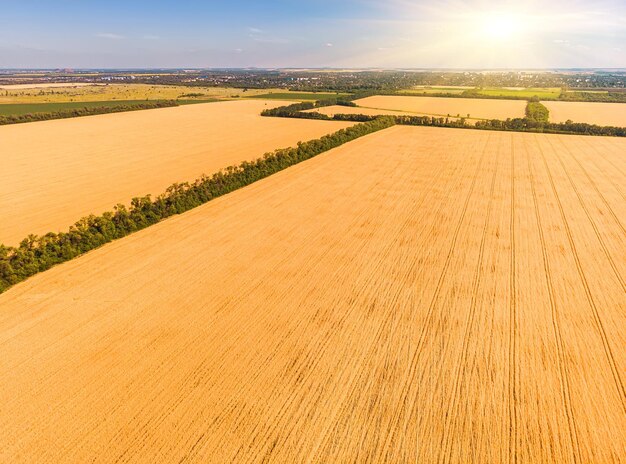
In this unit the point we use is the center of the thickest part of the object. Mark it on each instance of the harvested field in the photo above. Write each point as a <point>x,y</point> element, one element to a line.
<point>43,86</point>
<point>56,172</point>
<point>602,114</point>
<point>418,295</point>
<point>437,106</point>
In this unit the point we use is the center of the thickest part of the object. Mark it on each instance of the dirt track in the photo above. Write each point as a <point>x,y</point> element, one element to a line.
<point>55,172</point>
<point>419,295</point>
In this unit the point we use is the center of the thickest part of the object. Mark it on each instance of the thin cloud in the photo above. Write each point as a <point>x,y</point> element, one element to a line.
<point>151,37</point>
<point>269,40</point>
<point>110,35</point>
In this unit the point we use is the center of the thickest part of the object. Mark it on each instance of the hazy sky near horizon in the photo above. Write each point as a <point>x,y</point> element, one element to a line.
<point>320,33</point>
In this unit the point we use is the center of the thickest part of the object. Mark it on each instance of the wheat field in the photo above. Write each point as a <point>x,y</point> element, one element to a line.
<point>55,172</point>
<point>602,114</point>
<point>421,295</point>
<point>438,106</point>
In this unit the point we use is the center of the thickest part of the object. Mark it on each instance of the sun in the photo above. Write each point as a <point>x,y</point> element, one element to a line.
<point>500,26</point>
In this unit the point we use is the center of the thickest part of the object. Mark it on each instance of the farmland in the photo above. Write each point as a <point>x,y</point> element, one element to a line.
<point>55,172</point>
<point>433,106</point>
<point>602,114</point>
<point>107,92</point>
<point>418,295</point>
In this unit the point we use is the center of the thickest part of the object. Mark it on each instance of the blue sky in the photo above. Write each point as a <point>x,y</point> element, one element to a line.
<point>320,33</point>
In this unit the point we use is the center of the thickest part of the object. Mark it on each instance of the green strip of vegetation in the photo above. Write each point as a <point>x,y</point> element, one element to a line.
<point>18,109</point>
<point>537,112</point>
<point>36,254</point>
<point>544,94</point>
<point>86,110</point>
<point>594,96</point>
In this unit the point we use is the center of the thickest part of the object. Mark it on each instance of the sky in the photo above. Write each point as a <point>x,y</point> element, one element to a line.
<point>482,34</point>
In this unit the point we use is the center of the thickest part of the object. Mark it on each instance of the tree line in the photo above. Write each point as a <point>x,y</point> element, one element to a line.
<point>86,111</point>
<point>568,127</point>
<point>38,253</point>
<point>582,96</point>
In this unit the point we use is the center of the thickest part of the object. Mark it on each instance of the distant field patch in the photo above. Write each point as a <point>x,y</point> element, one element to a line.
<point>435,89</point>
<point>545,93</point>
<point>442,107</point>
<point>121,92</point>
<point>299,96</point>
<point>517,92</point>
<point>41,86</point>
<point>602,114</point>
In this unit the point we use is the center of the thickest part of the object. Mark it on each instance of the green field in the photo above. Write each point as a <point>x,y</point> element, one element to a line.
<point>29,108</point>
<point>299,96</point>
<point>429,90</point>
<point>542,93</point>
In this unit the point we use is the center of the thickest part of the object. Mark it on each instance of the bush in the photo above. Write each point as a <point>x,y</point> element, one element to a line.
<point>537,112</point>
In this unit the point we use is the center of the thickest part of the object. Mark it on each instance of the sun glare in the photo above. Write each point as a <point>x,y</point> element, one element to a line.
<point>500,26</point>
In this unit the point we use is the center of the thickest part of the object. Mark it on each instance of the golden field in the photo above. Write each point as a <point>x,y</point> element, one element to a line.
<point>436,106</point>
<point>55,172</point>
<point>339,109</point>
<point>602,114</point>
<point>11,87</point>
<point>418,295</point>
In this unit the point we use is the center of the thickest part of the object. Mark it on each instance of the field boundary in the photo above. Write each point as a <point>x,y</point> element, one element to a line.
<point>35,253</point>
